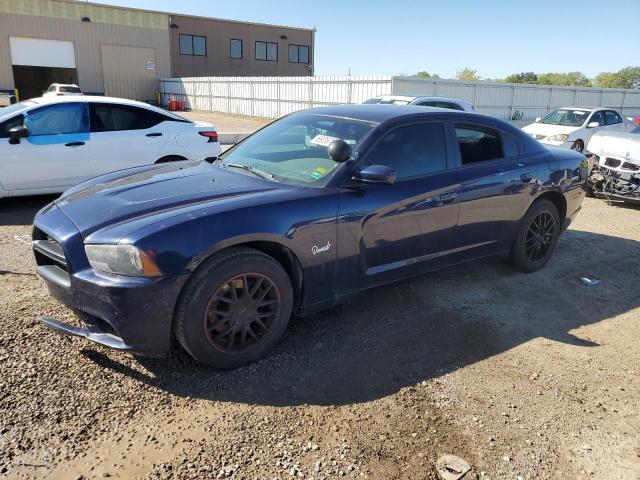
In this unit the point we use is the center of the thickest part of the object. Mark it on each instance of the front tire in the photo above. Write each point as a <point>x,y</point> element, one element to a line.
<point>234,309</point>
<point>537,237</point>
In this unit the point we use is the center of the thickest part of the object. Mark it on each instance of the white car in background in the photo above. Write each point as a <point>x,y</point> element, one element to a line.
<point>439,102</point>
<point>62,89</point>
<point>615,163</point>
<point>573,127</point>
<point>48,144</point>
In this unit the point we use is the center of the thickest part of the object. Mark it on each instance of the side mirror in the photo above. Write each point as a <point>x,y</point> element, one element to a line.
<point>339,151</point>
<point>538,119</point>
<point>376,174</point>
<point>593,125</point>
<point>16,133</point>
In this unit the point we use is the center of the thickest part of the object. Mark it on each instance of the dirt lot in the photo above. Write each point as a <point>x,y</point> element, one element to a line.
<point>228,123</point>
<point>524,376</point>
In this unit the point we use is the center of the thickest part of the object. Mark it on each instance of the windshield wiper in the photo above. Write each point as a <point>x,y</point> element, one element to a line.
<point>255,171</point>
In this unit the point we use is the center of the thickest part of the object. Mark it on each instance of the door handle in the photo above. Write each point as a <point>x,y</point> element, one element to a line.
<point>155,134</point>
<point>448,196</point>
<point>74,144</point>
<point>526,177</point>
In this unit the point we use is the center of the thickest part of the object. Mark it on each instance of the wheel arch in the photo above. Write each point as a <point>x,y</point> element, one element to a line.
<point>557,199</point>
<point>282,254</point>
<point>171,158</point>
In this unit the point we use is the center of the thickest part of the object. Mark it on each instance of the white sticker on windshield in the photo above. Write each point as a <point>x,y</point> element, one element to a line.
<point>323,140</point>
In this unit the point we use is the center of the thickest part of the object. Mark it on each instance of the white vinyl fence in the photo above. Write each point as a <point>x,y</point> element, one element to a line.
<point>276,96</point>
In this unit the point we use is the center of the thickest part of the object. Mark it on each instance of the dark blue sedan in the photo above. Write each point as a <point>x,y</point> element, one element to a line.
<point>313,208</point>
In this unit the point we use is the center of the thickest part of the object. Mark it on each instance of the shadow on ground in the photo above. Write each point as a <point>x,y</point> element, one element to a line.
<point>21,210</point>
<point>397,336</point>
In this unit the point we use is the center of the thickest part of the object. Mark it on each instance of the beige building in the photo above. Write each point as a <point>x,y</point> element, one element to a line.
<point>123,52</point>
<point>212,47</point>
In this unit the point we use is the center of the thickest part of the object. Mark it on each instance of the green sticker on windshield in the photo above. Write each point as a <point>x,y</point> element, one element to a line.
<point>318,172</point>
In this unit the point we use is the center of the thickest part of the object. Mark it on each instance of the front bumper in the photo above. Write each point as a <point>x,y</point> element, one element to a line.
<point>125,313</point>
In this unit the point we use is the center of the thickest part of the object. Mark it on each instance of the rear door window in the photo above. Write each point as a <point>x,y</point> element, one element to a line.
<point>478,144</point>
<point>106,117</point>
<point>611,118</point>
<point>412,150</point>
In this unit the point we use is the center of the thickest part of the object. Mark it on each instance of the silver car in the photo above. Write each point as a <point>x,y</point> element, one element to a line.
<point>440,102</point>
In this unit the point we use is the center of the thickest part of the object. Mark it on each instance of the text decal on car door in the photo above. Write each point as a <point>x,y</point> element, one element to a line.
<point>316,249</point>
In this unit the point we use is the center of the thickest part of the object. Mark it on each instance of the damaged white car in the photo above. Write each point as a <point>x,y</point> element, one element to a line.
<point>615,165</point>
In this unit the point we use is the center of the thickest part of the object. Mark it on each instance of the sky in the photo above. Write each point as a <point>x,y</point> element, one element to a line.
<point>496,38</point>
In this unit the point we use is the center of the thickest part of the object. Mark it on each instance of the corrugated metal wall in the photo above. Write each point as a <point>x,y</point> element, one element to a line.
<point>277,96</point>
<point>272,96</point>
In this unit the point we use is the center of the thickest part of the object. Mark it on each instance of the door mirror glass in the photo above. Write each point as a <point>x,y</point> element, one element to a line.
<point>339,151</point>
<point>16,133</point>
<point>376,174</point>
<point>593,125</point>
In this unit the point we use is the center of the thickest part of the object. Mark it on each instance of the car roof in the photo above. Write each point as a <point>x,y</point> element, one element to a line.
<point>445,99</point>
<point>102,99</point>
<point>379,113</point>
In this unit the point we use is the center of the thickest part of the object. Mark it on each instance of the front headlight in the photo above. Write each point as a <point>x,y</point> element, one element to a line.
<point>558,138</point>
<point>121,260</point>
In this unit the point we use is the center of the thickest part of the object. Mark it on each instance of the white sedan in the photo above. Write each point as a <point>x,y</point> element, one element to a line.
<point>49,144</point>
<point>572,127</point>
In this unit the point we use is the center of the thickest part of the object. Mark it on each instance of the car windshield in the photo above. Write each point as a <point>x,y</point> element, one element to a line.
<point>636,129</point>
<point>68,89</point>
<point>372,100</point>
<point>16,107</point>
<point>566,117</point>
<point>387,101</point>
<point>293,150</point>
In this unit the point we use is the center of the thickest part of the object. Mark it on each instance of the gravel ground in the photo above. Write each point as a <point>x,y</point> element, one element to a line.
<point>524,376</point>
<point>229,123</point>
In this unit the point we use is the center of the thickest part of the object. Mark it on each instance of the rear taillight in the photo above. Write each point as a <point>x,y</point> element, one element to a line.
<point>212,136</point>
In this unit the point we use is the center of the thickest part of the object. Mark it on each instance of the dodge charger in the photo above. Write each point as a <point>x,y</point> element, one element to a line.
<point>316,207</point>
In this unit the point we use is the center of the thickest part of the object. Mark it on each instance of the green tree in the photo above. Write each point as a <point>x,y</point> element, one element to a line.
<point>573,79</point>
<point>425,74</point>
<point>628,77</point>
<point>524,77</point>
<point>467,74</point>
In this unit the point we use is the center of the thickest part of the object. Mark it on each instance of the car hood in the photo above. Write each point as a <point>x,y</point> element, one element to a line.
<point>617,144</point>
<point>131,194</point>
<point>547,130</point>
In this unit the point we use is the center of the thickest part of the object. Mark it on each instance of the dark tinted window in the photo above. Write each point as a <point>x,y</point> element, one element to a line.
<point>235,48</point>
<point>9,124</point>
<point>70,89</point>
<point>412,150</point>
<point>478,144</point>
<point>298,54</point>
<point>611,118</point>
<point>267,51</point>
<point>109,118</point>
<point>597,117</point>
<point>193,45</point>
<point>449,105</point>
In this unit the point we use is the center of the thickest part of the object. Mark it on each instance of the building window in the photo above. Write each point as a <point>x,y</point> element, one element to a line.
<point>235,48</point>
<point>193,45</point>
<point>298,54</point>
<point>267,51</point>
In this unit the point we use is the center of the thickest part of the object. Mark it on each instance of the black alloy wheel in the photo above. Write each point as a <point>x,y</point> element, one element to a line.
<point>540,236</point>
<point>240,312</point>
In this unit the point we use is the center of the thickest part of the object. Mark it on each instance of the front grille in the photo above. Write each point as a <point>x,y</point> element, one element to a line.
<point>631,166</point>
<point>50,258</point>
<point>612,162</point>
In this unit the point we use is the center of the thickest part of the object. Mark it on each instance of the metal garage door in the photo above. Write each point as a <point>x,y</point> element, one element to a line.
<point>42,53</point>
<point>129,72</point>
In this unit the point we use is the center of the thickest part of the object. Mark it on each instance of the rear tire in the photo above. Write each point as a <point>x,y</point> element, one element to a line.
<point>537,237</point>
<point>234,309</point>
